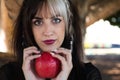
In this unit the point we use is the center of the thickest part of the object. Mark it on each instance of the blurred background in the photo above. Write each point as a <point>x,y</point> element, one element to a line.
<point>101,33</point>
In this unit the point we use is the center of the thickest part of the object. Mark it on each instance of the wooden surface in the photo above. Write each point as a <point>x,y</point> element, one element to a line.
<point>109,65</point>
<point>93,9</point>
<point>5,57</point>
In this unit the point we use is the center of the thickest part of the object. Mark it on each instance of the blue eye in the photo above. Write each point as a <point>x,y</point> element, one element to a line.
<point>56,20</point>
<point>37,22</point>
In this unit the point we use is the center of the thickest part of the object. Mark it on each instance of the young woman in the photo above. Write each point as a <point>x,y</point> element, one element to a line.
<point>48,25</point>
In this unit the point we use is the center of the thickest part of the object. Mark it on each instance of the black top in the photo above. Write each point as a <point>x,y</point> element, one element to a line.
<point>12,71</point>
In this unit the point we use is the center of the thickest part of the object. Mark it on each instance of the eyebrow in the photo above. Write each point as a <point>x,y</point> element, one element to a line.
<point>55,16</point>
<point>37,18</point>
<point>42,18</point>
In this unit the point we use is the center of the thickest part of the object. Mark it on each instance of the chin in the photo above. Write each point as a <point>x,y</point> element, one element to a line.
<point>50,49</point>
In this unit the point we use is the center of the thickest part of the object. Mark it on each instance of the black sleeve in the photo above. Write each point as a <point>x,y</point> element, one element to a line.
<point>3,73</point>
<point>93,73</point>
<point>11,71</point>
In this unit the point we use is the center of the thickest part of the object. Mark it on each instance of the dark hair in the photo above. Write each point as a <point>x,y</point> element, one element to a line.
<point>23,36</point>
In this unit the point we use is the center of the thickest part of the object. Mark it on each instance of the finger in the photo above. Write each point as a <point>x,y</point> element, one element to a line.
<point>27,61</point>
<point>32,57</point>
<point>63,50</point>
<point>66,52</point>
<point>31,47</point>
<point>62,59</point>
<point>30,51</point>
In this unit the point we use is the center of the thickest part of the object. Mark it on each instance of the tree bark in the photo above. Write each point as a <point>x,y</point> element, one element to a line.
<point>101,10</point>
<point>90,10</point>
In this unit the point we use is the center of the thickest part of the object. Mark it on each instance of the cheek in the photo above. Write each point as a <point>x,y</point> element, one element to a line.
<point>36,34</point>
<point>61,33</point>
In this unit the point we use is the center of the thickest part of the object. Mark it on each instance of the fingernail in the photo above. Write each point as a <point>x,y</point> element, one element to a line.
<point>38,51</point>
<point>39,55</point>
<point>52,53</point>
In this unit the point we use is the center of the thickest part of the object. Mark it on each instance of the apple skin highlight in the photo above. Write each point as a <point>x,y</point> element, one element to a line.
<point>47,66</point>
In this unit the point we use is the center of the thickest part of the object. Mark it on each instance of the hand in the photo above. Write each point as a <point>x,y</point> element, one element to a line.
<point>27,65</point>
<point>64,55</point>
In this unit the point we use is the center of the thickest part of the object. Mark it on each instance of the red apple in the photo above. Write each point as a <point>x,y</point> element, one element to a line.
<point>47,66</point>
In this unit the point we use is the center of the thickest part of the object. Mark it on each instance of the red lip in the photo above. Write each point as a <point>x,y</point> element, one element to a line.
<point>49,42</point>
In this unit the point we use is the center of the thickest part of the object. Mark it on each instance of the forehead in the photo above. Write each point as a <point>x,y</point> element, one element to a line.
<point>46,10</point>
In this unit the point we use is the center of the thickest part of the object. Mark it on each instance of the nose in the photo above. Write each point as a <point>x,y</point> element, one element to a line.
<point>48,30</point>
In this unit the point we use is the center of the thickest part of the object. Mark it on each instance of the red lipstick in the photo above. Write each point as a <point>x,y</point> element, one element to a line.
<point>49,42</point>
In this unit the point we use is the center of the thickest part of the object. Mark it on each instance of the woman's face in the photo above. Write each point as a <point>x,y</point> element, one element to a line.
<point>48,31</point>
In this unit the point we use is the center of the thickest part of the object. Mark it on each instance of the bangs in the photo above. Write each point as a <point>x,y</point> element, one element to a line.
<point>53,8</point>
<point>60,8</point>
<point>57,7</point>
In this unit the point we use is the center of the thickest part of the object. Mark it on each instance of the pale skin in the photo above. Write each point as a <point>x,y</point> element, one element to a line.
<point>45,28</point>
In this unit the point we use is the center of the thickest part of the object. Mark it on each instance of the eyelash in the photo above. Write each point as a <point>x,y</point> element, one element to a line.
<point>56,20</point>
<point>39,22</point>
